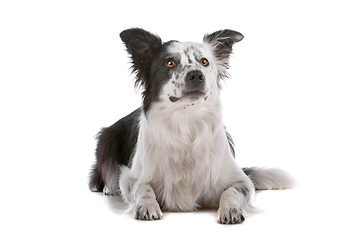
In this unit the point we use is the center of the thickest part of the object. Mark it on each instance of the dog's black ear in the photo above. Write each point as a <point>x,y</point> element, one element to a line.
<point>222,42</point>
<point>142,46</point>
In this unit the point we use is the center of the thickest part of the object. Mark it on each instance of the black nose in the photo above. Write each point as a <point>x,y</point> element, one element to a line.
<point>195,77</point>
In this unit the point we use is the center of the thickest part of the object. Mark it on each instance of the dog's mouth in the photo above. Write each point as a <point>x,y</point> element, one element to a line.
<point>192,95</point>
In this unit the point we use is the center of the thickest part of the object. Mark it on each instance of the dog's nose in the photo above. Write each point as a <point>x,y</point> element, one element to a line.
<point>195,77</point>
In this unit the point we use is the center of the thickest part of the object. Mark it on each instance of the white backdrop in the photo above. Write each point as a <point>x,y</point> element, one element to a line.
<point>293,102</point>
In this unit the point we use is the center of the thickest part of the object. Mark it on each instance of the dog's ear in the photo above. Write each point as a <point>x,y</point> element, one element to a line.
<point>142,46</point>
<point>221,43</point>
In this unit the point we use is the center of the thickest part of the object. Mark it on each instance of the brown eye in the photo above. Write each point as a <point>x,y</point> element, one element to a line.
<point>170,64</point>
<point>204,62</point>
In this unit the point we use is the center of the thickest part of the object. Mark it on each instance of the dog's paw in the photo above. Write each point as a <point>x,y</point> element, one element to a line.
<point>108,193</point>
<point>148,209</point>
<point>230,215</point>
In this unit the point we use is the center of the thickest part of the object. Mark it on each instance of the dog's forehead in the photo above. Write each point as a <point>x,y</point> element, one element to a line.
<point>188,49</point>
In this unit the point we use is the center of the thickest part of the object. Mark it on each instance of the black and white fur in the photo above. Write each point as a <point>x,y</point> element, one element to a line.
<point>173,153</point>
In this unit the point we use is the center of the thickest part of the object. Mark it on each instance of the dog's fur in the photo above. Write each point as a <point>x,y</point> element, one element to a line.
<point>174,153</point>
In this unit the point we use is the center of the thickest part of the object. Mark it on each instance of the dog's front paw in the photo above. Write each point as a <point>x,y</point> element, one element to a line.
<point>230,215</point>
<point>148,209</point>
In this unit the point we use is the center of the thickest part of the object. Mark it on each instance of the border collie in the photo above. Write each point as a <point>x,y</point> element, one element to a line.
<point>174,153</point>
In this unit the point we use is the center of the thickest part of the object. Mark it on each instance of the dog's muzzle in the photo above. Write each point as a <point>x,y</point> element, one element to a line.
<point>194,86</point>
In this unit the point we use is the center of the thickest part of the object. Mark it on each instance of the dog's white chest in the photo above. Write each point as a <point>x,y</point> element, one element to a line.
<point>181,185</point>
<point>185,165</point>
<point>181,156</point>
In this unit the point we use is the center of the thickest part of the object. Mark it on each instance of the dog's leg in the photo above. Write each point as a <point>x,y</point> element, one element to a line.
<point>141,197</point>
<point>146,207</point>
<point>233,202</point>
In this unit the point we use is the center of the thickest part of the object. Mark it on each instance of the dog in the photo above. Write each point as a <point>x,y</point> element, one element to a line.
<point>174,153</point>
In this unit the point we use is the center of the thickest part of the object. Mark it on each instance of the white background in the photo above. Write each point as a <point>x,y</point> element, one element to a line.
<point>293,102</point>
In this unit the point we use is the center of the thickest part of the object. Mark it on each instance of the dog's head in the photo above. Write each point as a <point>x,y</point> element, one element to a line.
<point>182,74</point>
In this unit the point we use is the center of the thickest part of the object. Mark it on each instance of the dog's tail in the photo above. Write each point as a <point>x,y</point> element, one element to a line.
<point>269,178</point>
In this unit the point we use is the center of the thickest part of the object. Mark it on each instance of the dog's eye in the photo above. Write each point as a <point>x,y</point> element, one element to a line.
<point>170,64</point>
<point>204,62</point>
